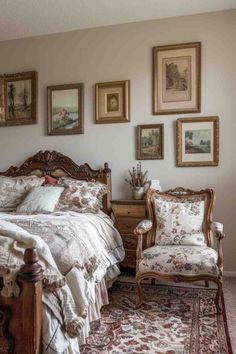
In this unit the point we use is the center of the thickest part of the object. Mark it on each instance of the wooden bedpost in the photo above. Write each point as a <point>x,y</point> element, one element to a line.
<point>31,275</point>
<point>21,317</point>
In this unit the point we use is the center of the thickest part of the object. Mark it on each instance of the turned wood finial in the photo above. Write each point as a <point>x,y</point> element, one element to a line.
<point>31,271</point>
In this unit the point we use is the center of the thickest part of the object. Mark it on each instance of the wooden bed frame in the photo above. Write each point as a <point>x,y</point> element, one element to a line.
<point>21,317</point>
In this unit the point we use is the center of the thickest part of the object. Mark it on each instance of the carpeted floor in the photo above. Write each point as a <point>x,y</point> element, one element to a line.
<point>230,304</point>
<point>174,320</point>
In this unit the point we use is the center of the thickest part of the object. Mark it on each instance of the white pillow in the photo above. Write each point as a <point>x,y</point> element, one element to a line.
<point>40,200</point>
<point>14,189</point>
<point>179,222</point>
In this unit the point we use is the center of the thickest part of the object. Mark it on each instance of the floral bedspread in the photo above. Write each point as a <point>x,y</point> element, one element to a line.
<point>82,248</point>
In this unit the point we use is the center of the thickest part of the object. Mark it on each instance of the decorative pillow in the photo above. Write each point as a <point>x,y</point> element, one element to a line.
<point>179,221</point>
<point>51,181</point>
<point>40,200</point>
<point>81,195</point>
<point>14,189</point>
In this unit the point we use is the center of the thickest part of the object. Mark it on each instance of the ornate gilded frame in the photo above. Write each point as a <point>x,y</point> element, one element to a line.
<point>123,118</point>
<point>5,120</point>
<point>156,78</point>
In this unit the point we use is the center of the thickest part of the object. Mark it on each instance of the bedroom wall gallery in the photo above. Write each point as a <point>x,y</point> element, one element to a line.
<point>175,73</point>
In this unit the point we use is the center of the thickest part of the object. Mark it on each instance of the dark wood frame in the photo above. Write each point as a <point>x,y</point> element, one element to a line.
<point>29,75</point>
<point>126,102</point>
<point>179,123</point>
<point>155,50</point>
<point>139,155</point>
<point>180,194</point>
<point>21,318</point>
<point>76,130</point>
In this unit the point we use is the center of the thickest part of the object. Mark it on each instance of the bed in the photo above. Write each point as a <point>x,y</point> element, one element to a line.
<point>62,290</point>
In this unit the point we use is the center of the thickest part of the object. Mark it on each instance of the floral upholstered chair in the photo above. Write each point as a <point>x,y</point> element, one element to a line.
<point>179,239</point>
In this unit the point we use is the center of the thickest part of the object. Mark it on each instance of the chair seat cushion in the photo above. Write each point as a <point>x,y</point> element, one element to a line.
<point>189,260</point>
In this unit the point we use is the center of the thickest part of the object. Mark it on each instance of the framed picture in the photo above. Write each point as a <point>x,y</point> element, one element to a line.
<point>65,109</point>
<point>18,98</point>
<point>113,102</point>
<point>198,141</point>
<point>177,78</point>
<point>150,142</point>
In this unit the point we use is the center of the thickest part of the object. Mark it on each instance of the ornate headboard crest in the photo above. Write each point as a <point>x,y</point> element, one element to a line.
<point>49,162</point>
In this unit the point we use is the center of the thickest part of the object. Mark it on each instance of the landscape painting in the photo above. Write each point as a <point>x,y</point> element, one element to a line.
<point>65,109</point>
<point>18,98</point>
<point>198,141</point>
<point>150,142</point>
<point>176,79</point>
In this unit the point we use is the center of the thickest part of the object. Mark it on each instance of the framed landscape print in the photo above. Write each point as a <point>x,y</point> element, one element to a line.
<point>113,102</point>
<point>65,109</point>
<point>198,141</point>
<point>149,142</point>
<point>177,78</point>
<point>18,98</point>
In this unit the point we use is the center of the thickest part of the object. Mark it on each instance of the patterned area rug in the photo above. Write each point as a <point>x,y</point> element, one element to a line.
<point>173,320</point>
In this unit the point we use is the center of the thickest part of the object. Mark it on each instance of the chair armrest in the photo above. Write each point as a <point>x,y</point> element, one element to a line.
<point>217,229</point>
<point>142,228</point>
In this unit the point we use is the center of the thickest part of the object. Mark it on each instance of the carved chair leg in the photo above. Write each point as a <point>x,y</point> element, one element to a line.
<point>218,297</point>
<point>206,283</point>
<point>139,293</point>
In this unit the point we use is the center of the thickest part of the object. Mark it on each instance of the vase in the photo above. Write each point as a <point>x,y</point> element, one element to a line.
<point>138,193</point>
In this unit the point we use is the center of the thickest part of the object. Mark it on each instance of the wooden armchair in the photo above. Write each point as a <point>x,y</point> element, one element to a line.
<point>179,240</point>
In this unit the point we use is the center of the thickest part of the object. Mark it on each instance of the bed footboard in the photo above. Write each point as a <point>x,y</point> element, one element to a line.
<point>21,317</point>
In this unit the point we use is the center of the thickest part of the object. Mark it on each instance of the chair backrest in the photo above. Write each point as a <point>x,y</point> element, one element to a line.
<point>179,195</point>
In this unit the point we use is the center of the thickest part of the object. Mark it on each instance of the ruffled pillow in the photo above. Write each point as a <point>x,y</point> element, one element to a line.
<point>81,196</point>
<point>41,200</point>
<point>14,189</point>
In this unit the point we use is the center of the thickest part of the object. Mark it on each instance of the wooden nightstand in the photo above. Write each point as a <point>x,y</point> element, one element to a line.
<point>127,214</point>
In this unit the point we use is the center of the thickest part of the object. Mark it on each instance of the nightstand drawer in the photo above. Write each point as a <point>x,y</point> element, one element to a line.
<point>126,225</point>
<point>134,211</point>
<point>130,242</point>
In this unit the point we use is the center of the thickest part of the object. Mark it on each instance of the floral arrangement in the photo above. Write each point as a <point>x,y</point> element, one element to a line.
<point>137,178</point>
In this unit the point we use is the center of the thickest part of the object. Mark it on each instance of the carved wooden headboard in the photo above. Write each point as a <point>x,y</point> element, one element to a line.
<point>56,164</point>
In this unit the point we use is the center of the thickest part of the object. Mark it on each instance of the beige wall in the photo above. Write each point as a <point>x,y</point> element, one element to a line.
<point>124,52</point>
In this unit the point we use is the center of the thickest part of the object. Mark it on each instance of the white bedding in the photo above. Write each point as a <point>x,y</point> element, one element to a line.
<point>84,248</point>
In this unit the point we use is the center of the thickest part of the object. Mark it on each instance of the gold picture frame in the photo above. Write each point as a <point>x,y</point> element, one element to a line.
<point>150,142</point>
<point>112,102</point>
<point>18,98</point>
<point>65,106</point>
<point>197,141</point>
<point>177,78</point>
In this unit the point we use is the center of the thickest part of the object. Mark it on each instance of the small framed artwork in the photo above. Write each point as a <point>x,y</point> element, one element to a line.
<point>18,98</point>
<point>198,141</point>
<point>65,109</point>
<point>113,102</point>
<point>177,78</point>
<point>150,142</point>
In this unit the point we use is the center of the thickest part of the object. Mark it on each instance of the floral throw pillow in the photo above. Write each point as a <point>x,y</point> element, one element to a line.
<point>14,189</point>
<point>179,222</point>
<point>81,196</point>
